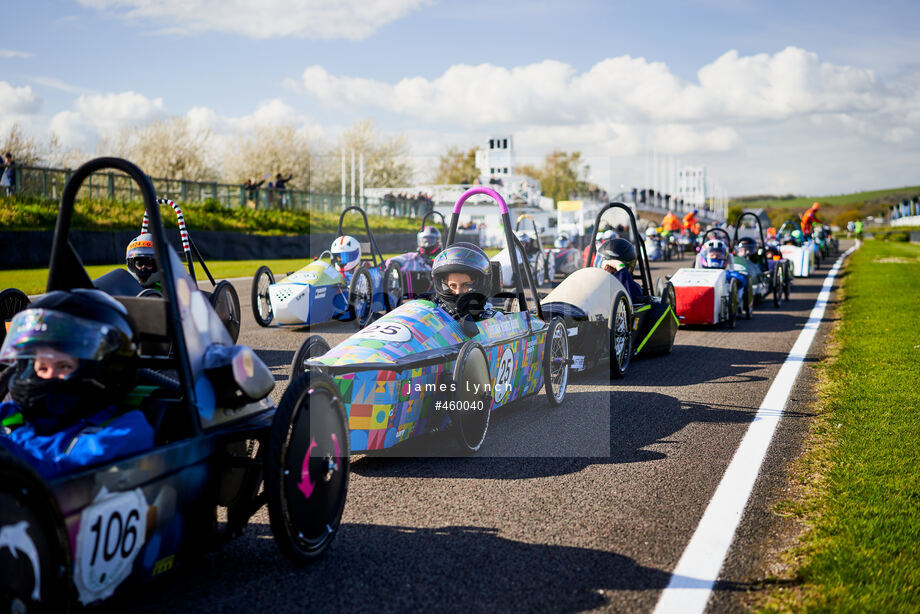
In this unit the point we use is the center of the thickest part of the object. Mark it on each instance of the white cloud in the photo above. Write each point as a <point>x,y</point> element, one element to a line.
<point>18,100</point>
<point>316,19</point>
<point>9,53</point>
<point>94,115</point>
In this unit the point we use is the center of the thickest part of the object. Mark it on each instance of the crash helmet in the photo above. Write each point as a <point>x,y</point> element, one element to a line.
<point>455,262</point>
<point>620,250</point>
<point>798,236</point>
<point>429,241</point>
<point>74,353</point>
<point>746,247</point>
<point>141,259</point>
<point>714,254</point>
<point>606,235</point>
<point>561,242</point>
<point>527,240</point>
<point>346,253</point>
<point>651,231</point>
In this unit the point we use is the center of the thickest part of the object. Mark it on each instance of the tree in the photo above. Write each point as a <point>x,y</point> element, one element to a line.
<point>273,149</point>
<point>456,166</point>
<point>26,150</point>
<point>560,175</point>
<point>165,148</point>
<point>386,159</point>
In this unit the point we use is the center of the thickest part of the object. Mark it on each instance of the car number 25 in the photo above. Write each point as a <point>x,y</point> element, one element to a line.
<point>386,331</point>
<point>112,533</point>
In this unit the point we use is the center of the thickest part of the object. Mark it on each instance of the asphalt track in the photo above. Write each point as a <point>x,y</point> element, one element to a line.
<point>587,506</point>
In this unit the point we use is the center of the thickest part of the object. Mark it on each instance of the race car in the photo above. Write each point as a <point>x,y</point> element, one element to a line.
<point>713,291</point>
<point>12,301</point>
<point>419,369</point>
<point>769,273</point>
<point>798,249</point>
<point>410,273</point>
<point>655,246</point>
<point>219,446</point>
<point>563,258</point>
<point>341,284</point>
<point>603,319</point>
<point>533,252</point>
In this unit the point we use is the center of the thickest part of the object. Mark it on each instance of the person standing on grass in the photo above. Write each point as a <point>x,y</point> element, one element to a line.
<point>8,175</point>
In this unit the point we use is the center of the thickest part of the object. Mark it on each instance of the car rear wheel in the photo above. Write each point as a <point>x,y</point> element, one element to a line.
<point>394,286</point>
<point>311,348</point>
<point>748,300</point>
<point>556,361</point>
<point>777,286</point>
<point>620,336</point>
<point>307,468</point>
<point>261,303</point>
<point>226,303</point>
<point>361,298</point>
<point>732,303</point>
<point>472,378</point>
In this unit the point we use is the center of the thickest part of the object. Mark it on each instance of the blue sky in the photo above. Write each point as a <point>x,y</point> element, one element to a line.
<point>810,98</point>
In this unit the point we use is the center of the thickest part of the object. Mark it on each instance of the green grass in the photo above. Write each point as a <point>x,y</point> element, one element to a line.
<point>857,198</point>
<point>861,471</point>
<point>31,213</point>
<point>33,281</point>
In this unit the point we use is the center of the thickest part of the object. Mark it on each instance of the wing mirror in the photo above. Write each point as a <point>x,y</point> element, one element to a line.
<point>238,375</point>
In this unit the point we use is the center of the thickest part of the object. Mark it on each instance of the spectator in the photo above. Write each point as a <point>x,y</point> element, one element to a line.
<point>252,191</point>
<point>281,187</point>
<point>8,176</point>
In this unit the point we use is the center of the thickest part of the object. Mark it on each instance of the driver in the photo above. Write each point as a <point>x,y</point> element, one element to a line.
<point>606,235</point>
<point>74,357</point>
<point>561,242</point>
<point>463,269</point>
<point>618,256</point>
<point>141,261</point>
<point>716,255</point>
<point>746,248</point>
<point>429,242</point>
<point>346,254</point>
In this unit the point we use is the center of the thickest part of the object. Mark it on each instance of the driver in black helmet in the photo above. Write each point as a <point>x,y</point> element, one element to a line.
<point>462,277</point>
<point>746,247</point>
<point>141,261</point>
<point>73,357</point>
<point>618,256</point>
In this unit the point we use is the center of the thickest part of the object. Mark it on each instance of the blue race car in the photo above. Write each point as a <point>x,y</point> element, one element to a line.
<point>341,284</point>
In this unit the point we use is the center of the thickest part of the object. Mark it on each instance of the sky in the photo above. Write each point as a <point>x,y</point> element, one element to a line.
<point>777,97</point>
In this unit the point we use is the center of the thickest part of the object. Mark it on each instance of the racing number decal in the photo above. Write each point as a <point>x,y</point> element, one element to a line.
<point>112,533</point>
<point>388,331</point>
<point>504,376</point>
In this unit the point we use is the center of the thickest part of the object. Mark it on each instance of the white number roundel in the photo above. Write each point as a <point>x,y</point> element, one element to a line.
<point>386,331</point>
<point>112,533</point>
<point>504,376</point>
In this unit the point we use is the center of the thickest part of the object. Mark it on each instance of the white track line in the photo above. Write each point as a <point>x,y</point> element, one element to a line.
<point>698,568</point>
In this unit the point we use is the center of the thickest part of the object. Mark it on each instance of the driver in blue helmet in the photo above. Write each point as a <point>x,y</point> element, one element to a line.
<point>462,278</point>
<point>618,256</point>
<point>73,358</point>
<point>715,255</point>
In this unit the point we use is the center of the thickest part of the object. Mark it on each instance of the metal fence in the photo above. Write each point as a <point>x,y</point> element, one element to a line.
<point>49,183</point>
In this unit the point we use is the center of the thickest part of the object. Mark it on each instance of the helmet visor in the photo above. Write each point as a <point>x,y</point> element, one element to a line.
<point>34,330</point>
<point>343,258</point>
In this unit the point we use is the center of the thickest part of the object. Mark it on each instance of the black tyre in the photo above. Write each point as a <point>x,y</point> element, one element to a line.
<point>226,303</point>
<point>314,346</point>
<point>777,286</point>
<point>667,295</point>
<point>620,325</point>
<point>556,361</point>
<point>787,282</point>
<point>470,418</point>
<point>732,303</point>
<point>539,271</point>
<point>35,561</point>
<point>748,300</point>
<point>394,286</point>
<point>261,304</point>
<point>361,298</point>
<point>306,471</point>
<point>12,301</point>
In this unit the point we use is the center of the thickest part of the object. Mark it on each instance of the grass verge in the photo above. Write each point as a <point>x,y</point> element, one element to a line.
<point>860,475</point>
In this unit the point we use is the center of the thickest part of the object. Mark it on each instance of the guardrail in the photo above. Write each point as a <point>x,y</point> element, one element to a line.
<point>49,183</point>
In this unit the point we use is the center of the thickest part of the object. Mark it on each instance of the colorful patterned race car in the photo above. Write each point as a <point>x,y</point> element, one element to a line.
<point>715,294</point>
<point>601,314</point>
<point>410,273</point>
<point>533,251</point>
<point>418,369</point>
<point>91,533</point>
<point>798,249</point>
<point>769,273</point>
<point>321,291</point>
